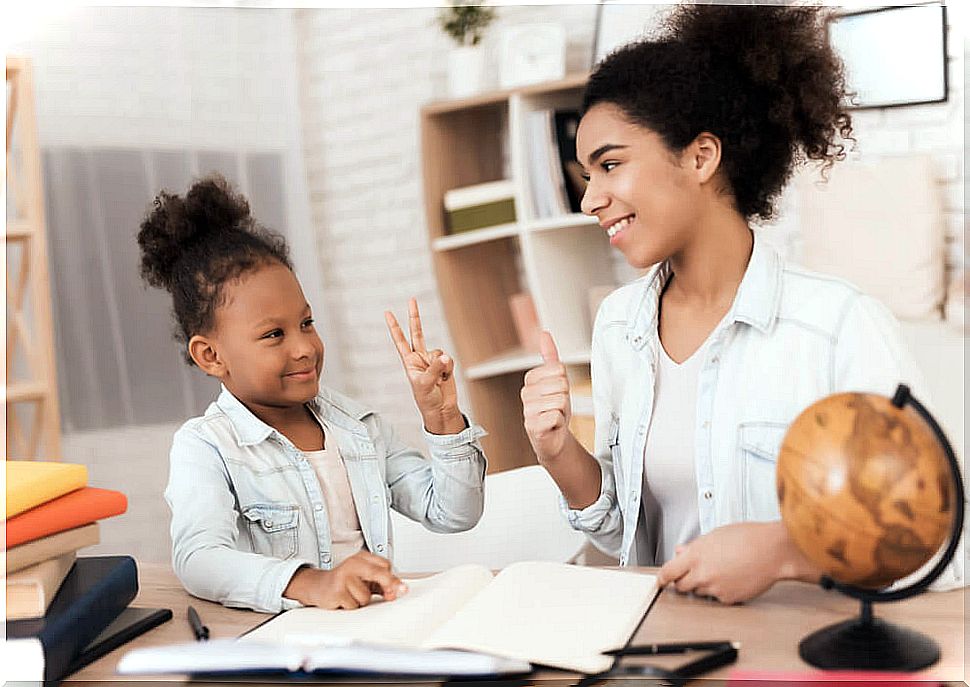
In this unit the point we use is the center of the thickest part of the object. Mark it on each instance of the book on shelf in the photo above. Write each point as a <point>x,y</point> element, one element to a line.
<point>76,508</point>
<point>51,546</point>
<point>30,591</point>
<point>480,206</point>
<point>539,613</point>
<point>94,593</point>
<point>555,176</point>
<point>33,482</point>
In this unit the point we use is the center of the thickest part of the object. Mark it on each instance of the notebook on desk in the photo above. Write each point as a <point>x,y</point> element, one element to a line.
<point>546,614</point>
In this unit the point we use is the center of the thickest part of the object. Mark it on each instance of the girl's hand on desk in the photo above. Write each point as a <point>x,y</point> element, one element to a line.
<point>430,373</point>
<point>737,562</point>
<point>350,585</point>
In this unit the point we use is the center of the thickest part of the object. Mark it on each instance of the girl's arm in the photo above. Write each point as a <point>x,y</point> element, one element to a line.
<point>445,493</point>
<point>205,530</point>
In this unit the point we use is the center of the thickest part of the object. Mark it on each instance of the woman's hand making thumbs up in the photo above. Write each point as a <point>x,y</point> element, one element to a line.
<point>545,403</point>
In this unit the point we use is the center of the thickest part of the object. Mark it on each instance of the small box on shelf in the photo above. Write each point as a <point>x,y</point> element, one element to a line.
<point>479,206</point>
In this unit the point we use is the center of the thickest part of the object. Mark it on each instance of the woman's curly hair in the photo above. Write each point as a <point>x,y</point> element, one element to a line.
<point>763,79</point>
<point>192,246</point>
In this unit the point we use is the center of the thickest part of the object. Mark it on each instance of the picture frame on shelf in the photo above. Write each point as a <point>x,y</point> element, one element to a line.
<point>619,23</point>
<point>894,56</point>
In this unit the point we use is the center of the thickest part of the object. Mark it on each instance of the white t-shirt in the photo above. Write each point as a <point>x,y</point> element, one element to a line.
<point>345,533</point>
<point>669,513</point>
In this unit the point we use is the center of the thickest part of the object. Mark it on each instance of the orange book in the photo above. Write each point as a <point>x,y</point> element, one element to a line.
<point>64,513</point>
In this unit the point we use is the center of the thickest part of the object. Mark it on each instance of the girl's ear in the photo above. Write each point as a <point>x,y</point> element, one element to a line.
<point>705,156</point>
<point>204,354</point>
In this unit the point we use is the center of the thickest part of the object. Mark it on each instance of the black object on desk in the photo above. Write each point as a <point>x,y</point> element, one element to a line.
<point>717,654</point>
<point>201,631</point>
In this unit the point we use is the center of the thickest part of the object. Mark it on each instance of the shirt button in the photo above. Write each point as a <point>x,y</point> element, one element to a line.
<point>326,558</point>
<point>318,507</point>
<point>708,495</point>
<point>714,360</point>
<point>380,548</point>
<point>375,498</point>
<point>269,523</point>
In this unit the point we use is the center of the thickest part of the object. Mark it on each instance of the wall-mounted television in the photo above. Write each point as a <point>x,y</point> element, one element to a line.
<point>893,55</point>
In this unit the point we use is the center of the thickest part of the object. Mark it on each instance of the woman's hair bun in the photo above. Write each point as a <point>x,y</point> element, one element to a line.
<point>176,225</point>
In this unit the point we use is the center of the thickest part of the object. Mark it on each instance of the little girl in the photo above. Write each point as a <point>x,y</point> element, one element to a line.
<point>280,493</point>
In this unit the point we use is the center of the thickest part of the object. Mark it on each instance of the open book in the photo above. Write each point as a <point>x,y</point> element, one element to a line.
<point>548,614</point>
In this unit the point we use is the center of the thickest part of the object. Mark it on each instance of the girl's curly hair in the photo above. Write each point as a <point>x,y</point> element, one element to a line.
<point>192,246</point>
<point>763,79</point>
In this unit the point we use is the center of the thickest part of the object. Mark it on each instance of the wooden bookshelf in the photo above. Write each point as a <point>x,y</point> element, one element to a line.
<point>555,259</point>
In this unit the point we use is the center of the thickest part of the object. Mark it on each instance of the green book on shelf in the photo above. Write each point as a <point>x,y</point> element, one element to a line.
<point>479,206</point>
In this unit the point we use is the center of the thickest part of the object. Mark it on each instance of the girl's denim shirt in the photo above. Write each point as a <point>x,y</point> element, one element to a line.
<point>248,510</point>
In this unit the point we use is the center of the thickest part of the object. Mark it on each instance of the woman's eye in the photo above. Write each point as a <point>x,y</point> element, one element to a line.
<point>308,322</point>
<point>609,165</point>
<point>585,177</point>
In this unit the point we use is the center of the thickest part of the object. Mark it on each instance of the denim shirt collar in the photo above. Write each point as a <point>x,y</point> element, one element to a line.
<point>756,302</point>
<point>250,430</point>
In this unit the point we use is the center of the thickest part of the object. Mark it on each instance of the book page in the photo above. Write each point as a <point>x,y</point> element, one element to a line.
<point>407,621</point>
<point>551,614</point>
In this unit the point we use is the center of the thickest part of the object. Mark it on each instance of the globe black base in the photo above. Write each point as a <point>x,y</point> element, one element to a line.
<point>868,644</point>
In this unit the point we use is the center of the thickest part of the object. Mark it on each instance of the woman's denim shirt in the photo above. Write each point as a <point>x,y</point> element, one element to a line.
<point>790,338</point>
<point>248,511</point>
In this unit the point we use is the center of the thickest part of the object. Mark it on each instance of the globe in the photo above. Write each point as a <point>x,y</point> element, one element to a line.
<point>865,488</point>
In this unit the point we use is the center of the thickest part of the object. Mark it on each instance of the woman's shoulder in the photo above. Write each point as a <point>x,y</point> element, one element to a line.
<point>818,300</point>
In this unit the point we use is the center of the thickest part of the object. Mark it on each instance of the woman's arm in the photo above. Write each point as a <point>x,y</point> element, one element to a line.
<point>735,563</point>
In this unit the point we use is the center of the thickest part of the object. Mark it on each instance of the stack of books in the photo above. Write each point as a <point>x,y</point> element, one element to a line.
<point>480,206</point>
<point>57,602</point>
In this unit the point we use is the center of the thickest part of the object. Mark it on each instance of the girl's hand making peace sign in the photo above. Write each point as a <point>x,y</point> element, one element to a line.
<point>430,373</point>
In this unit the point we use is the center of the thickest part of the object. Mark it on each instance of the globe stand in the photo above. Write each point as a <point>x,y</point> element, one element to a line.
<point>866,642</point>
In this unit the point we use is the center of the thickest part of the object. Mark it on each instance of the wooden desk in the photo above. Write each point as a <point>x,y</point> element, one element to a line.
<point>768,628</point>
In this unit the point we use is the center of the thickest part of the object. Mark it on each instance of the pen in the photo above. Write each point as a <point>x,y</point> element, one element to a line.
<point>672,648</point>
<point>201,631</point>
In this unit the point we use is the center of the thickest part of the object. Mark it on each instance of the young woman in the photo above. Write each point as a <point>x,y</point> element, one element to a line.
<point>699,367</point>
<point>280,493</point>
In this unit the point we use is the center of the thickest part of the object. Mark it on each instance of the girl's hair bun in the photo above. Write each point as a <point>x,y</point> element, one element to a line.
<point>175,225</point>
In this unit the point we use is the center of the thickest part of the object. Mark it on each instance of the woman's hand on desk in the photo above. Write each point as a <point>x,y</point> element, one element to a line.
<point>545,402</point>
<point>349,585</point>
<point>737,562</point>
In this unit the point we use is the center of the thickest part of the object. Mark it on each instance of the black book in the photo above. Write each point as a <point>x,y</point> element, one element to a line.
<point>566,123</point>
<point>93,594</point>
<point>131,623</point>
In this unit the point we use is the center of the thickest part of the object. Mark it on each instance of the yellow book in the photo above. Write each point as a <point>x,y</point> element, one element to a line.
<point>29,591</point>
<point>33,482</point>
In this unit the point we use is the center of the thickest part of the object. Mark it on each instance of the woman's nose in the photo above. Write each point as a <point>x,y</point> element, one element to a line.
<point>593,199</point>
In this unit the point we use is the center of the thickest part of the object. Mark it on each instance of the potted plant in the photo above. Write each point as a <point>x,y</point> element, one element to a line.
<point>465,23</point>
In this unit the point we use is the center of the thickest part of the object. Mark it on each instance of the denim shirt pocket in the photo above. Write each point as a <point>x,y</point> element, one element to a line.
<point>273,528</point>
<point>758,446</point>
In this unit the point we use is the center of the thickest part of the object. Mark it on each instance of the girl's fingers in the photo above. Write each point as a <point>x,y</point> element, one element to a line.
<point>397,335</point>
<point>414,321</point>
<point>359,590</point>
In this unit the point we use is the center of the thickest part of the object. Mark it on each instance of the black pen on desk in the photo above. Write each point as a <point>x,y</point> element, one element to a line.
<point>201,631</point>
<point>671,648</point>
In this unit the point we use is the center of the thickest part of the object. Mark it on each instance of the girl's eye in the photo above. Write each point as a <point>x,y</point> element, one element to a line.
<point>275,334</point>
<point>307,323</point>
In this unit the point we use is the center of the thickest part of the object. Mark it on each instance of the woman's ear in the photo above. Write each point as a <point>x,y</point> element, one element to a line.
<point>705,156</point>
<point>203,352</point>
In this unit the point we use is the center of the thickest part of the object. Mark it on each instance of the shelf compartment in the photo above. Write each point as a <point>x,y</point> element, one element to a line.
<point>518,360</point>
<point>562,222</point>
<point>470,238</point>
